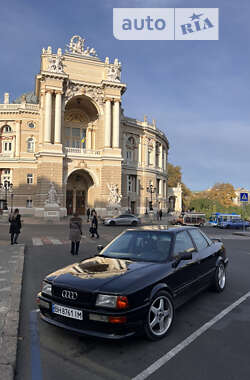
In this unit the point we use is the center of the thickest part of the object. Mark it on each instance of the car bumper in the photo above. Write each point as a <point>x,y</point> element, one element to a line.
<point>107,330</point>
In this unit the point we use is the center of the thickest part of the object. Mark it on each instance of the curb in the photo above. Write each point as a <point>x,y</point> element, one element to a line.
<point>8,339</point>
<point>242,233</point>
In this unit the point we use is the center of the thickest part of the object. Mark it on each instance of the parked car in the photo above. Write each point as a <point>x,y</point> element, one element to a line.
<point>135,283</point>
<point>124,219</point>
<point>235,223</point>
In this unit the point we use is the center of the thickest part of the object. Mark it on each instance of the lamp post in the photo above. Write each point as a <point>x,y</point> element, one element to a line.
<point>7,186</point>
<point>151,190</point>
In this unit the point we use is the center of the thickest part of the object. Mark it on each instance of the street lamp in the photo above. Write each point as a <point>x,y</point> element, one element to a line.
<point>7,187</point>
<point>151,190</point>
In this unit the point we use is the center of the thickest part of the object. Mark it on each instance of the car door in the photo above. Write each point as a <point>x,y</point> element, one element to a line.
<point>184,275</point>
<point>207,256</point>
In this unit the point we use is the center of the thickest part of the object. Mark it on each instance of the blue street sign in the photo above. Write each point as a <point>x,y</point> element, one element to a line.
<point>244,197</point>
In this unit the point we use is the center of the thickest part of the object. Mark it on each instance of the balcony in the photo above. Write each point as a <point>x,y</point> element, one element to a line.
<point>81,153</point>
<point>19,107</point>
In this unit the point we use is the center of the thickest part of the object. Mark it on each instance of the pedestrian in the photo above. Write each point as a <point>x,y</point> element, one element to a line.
<point>15,226</point>
<point>160,214</point>
<point>94,225</point>
<point>88,214</point>
<point>75,233</point>
<point>92,212</point>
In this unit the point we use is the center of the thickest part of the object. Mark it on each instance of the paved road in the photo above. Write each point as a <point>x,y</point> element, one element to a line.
<point>220,352</point>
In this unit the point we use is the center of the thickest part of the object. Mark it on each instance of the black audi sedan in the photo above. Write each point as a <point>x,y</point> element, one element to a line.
<point>135,283</point>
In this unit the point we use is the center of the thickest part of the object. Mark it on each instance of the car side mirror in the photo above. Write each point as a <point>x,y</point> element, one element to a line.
<point>99,248</point>
<point>185,255</point>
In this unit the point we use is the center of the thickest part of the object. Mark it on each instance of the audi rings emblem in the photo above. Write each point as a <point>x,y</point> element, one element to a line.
<point>69,294</point>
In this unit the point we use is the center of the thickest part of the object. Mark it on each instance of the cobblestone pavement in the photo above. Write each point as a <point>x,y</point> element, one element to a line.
<point>11,271</point>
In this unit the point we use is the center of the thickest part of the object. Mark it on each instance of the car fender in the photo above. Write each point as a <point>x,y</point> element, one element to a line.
<point>157,288</point>
<point>220,259</point>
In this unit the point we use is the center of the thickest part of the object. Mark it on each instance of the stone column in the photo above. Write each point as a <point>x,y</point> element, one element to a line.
<point>160,157</point>
<point>17,138</point>
<point>116,124</point>
<point>58,118</point>
<point>88,138</point>
<point>13,153</point>
<point>48,111</point>
<point>139,151</point>
<point>107,138</point>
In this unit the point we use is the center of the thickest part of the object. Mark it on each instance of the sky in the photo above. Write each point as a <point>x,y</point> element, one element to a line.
<point>197,91</point>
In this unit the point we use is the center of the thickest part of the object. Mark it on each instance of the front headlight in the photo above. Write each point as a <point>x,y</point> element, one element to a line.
<point>114,302</point>
<point>47,288</point>
<point>106,300</point>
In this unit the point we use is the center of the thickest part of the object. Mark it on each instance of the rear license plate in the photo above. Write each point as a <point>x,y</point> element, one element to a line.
<point>67,312</point>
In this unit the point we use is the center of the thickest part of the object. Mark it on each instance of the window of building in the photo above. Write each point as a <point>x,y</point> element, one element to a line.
<point>75,137</point>
<point>30,145</point>
<point>131,183</point>
<point>6,128</point>
<point>7,146</point>
<point>129,155</point>
<point>29,203</point>
<point>29,179</point>
<point>31,125</point>
<point>158,189</point>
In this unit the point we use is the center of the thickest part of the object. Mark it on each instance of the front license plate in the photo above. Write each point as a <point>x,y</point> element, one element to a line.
<point>67,312</point>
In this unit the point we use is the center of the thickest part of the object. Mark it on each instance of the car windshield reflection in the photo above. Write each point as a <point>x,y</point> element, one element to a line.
<point>140,246</point>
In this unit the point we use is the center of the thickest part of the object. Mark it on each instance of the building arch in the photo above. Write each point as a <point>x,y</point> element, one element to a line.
<point>78,183</point>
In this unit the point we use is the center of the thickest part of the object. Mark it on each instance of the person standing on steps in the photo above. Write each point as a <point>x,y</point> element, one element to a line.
<point>75,233</point>
<point>15,226</point>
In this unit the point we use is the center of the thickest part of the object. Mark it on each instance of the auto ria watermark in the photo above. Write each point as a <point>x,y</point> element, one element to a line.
<point>166,23</point>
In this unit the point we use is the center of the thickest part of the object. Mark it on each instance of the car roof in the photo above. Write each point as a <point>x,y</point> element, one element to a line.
<point>163,228</point>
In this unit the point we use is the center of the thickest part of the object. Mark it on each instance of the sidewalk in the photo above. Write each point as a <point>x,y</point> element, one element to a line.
<point>11,272</point>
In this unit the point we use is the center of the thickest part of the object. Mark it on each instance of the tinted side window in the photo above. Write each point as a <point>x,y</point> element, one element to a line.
<point>182,242</point>
<point>199,239</point>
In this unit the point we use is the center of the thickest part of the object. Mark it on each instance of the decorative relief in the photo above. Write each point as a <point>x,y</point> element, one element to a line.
<point>114,72</point>
<point>74,89</point>
<point>75,116</point>
<point>55,64</point>
<point>76,46</point>
<point>131,144</point>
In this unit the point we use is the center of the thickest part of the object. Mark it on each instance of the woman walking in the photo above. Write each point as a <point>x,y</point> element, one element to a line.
<point>94,225</point>
<point>15,226</point>
<point>75,233</point>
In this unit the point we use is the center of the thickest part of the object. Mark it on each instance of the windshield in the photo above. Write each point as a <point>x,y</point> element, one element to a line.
<point>140,246</point>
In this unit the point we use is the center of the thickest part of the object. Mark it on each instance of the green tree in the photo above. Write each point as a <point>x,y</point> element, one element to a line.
<point>174,175</point>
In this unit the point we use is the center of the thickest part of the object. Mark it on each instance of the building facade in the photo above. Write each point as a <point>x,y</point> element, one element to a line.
<point>72,133</point>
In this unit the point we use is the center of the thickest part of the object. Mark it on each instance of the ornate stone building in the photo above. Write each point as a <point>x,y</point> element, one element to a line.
<point>72,133</point>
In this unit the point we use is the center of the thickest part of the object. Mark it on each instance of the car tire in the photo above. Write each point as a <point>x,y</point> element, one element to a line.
<point>159,317</point>
<point>134,223</point>
<point>219,281</point>
<point>112,223</point>
<point>201,225</point>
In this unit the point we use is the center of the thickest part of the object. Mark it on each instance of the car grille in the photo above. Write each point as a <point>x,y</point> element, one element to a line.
<point>86,299</point>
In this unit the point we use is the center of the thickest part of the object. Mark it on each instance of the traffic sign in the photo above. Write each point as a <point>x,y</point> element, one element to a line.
<point>244,197</point>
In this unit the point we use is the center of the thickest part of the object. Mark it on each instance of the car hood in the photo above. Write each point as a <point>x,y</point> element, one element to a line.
<point>102,273</point>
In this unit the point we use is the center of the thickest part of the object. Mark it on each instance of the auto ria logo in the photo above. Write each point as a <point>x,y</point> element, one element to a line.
<point>166,23</point>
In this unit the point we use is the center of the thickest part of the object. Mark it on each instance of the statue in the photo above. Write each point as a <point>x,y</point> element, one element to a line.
<point>114,73</point>
<point>114,196</point>
<point>76,46</point>
<point>56,65</point>
<point>52,196</point>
